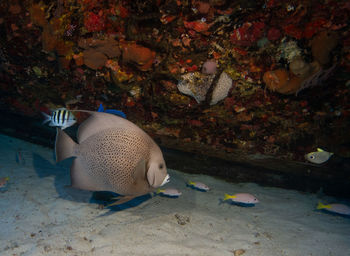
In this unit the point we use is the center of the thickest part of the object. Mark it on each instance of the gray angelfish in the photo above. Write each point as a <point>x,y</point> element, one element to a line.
<point>113,154</point>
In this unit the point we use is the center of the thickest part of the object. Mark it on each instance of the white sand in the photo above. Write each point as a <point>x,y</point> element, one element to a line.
<point>39,216</point>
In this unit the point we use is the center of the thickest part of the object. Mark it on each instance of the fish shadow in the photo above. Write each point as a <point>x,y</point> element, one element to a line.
<point>195,188</point>
<point>61,172</point>
<point>333,213</point>
<point>167,196</point>
<point>104,198</point>
<point>230,202</point>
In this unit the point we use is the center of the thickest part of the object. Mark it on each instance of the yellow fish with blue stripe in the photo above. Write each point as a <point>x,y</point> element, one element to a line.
<point>198,185</point>
<point>336,208</point>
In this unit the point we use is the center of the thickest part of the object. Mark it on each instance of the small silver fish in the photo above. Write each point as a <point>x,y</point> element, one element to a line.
<point>318,157</point>
<point>61,117</point>
<point>243,198</point>
<point>171,192</point>
<point>336,208</point>
<point>198,185</point>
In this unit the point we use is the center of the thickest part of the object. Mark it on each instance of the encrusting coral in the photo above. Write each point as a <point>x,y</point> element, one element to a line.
<point>97,51</point>
<point>286,82</point>
<point>139,55</point>
<point>302,74</point>
<point>322,45</point>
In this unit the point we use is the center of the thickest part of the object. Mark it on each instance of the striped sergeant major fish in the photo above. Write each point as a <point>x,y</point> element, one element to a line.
<point>61,117</point>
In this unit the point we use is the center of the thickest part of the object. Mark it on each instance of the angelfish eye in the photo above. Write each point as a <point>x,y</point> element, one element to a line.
<point>312,157</point>
<point>161,166</point>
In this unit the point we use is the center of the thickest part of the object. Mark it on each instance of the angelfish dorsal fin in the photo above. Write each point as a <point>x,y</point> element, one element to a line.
<point>320,150</point>
<point>97,122</point>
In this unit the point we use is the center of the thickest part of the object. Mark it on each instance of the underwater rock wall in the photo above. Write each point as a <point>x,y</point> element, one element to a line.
<point>267,77</point>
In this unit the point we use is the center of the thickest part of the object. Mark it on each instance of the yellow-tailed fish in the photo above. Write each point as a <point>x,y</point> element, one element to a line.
<point>318,157</point>
<point>243,198</point>
<point>336,208</point>
<point>198,185</point>
<point>171,192</point>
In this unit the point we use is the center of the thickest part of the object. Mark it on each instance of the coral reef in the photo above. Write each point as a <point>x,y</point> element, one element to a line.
<point>149,58</point>
<point>322,45</point>
<point>141,56</point>
<point>97,51</point>
<point>209,67</point>
<point>301,74</point>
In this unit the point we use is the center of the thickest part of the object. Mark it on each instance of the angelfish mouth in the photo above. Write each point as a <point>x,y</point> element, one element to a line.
<point>166,180</point>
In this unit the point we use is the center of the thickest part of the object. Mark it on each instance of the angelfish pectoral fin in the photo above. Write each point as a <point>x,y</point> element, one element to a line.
<point>81,179</point>
<point>121,201</point>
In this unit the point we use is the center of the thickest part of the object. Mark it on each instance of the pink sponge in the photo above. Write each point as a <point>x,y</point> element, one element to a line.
<point>209,67</point>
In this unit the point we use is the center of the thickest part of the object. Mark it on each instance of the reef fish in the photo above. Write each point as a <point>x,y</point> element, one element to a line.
<point>171,192</point>
<point>198,185</point>
<point>60,118</point>
<point>243,198</point>
<point>111,111</point>
<point>336,208</point>
<point>112,154</point>
<point>318,157</point>
<point>3,181</point>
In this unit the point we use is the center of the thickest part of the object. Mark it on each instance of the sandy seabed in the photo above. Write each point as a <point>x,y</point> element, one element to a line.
<point>41,216</point>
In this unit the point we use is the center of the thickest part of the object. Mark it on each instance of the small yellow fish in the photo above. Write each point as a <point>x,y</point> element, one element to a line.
<point>171,192</point>
<point>319,157</point>
<point>198,185</point>
<point>336,208</point>
<point>3,181</point>
<point>243,198</point>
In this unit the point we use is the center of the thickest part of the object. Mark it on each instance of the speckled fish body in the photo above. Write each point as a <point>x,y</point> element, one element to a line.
<point>243,198</point>
<point>113,154</point>
<point>318,157</point>
<point>335,208</point>
<point>170,192</point>
<point>61,117</point>
<point>198,185</point>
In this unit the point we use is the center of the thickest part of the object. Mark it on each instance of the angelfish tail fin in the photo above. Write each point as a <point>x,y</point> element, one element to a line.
<point>64,146</point>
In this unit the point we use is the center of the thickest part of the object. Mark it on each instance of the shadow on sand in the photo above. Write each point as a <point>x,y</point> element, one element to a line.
<point>61,172</point>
